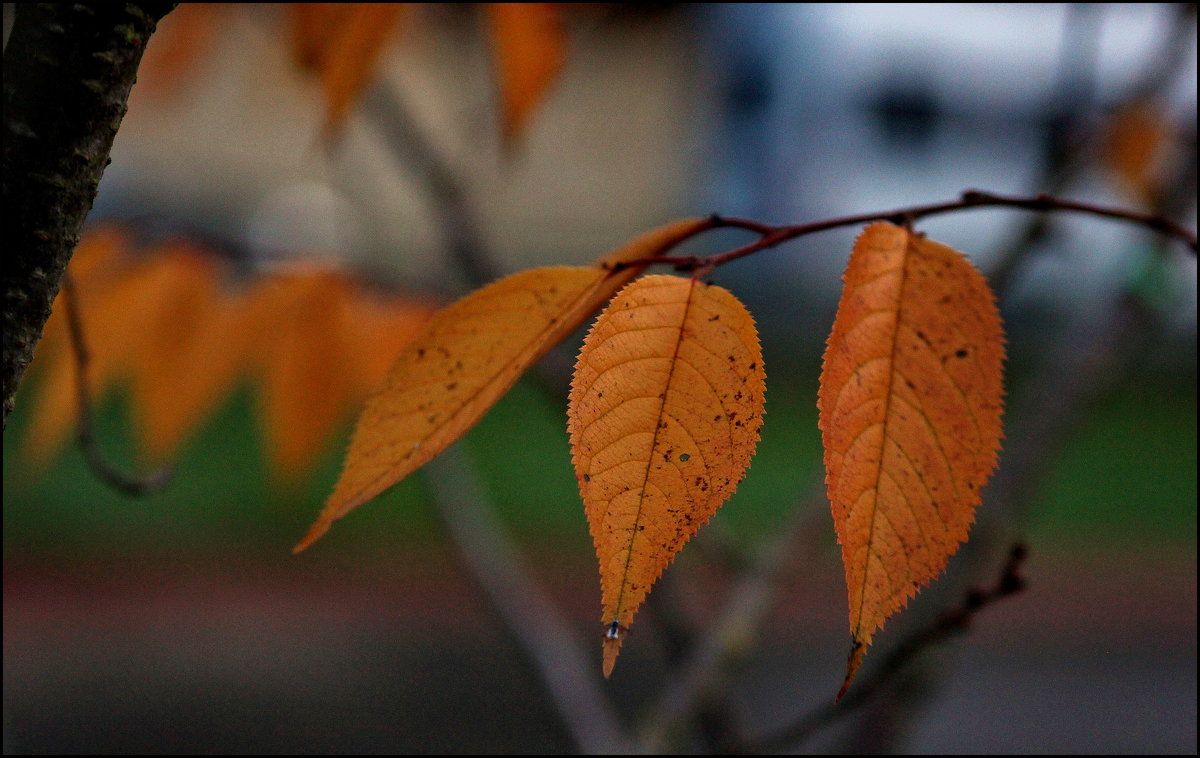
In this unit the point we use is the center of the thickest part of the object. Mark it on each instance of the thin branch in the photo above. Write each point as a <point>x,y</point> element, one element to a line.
<point>550,643</point>
<point>726,641</point>
<point>770,236</point>
<point>948,624</point>
<point>455,217</point>
<point>86,434</point>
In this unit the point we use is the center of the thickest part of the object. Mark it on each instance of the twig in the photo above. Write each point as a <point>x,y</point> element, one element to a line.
<point>726,641</point>
<point>128,485</point>
<point>946,625</point>
<point>551,644</point>
<point>770,236</point>
<point>456,219</point>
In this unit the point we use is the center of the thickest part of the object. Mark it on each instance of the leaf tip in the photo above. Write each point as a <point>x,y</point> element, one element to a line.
<point>612,648</point>
<point>857,651</point>
<point>316,532</point>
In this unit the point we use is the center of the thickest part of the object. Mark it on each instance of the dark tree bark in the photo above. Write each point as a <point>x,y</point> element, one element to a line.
<point>68,69</point>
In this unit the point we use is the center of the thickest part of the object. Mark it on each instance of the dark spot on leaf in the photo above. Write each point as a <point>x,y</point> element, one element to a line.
<point>961,352</point>
<point>714,318</point>
<point>451,385</point>
<point>684,457</point>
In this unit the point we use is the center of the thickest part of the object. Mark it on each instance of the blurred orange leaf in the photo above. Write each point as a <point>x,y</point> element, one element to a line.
<point>379,330</point>
<point>182,37</point>
<point>190,360</point>
<point>465,359</point>
<point>529,44</point>
<point>664,415</point>
<point>1137,141</point>
<point>342,43</point>
<point>300,363</point>
<point>115,316</point>
<point>910,401</point>
<point>95,264</point>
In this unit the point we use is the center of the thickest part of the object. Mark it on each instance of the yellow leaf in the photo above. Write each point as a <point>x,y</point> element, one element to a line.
<point>530,46</point>
<point>664,416</point>
<point>465,359</point>
<point>910,402</point>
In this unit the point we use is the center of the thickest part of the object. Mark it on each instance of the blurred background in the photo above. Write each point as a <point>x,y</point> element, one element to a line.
<point>394,160</point>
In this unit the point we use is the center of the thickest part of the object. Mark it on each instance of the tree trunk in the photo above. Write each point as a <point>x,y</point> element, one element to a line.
<point>68,69</point>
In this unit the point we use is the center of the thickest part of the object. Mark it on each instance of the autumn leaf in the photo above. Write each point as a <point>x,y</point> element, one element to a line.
<point>465,359</point>
<point>379,328</point>
<point>342,43</point>
<point>114,314</point>
<point>302,372</point>
<point>664,415</point>
<point>529,45</point>
<point>910,403</point>
<point>1137,147</point>
<point>183,36</point>
<point>97,262</point>
<point>172,376</point>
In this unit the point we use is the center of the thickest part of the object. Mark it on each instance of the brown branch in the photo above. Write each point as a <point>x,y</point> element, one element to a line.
<point>770,236</point>
<point>68,69</point>
<point>949,623</point>
<point>86,433</point>
<point>552,645</point>
<point>456,219</point>
<point>727,641</point>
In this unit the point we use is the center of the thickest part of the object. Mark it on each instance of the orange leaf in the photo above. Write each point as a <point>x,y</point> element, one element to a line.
<point>377,330</point>
<point>910,403</point>
<point>191,359</point>
<point>304,383</point>
<point>114,318</point>
<point>664,416</point>
<point>314,26</point>
<point>530,46</point>
<point>182,37</point>
<point>466,358</point>
<point>349,56</point>
<point>96,263</point>
<point>1138,140</point>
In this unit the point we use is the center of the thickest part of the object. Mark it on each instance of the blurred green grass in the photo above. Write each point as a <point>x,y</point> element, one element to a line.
<point>1127,474</point>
